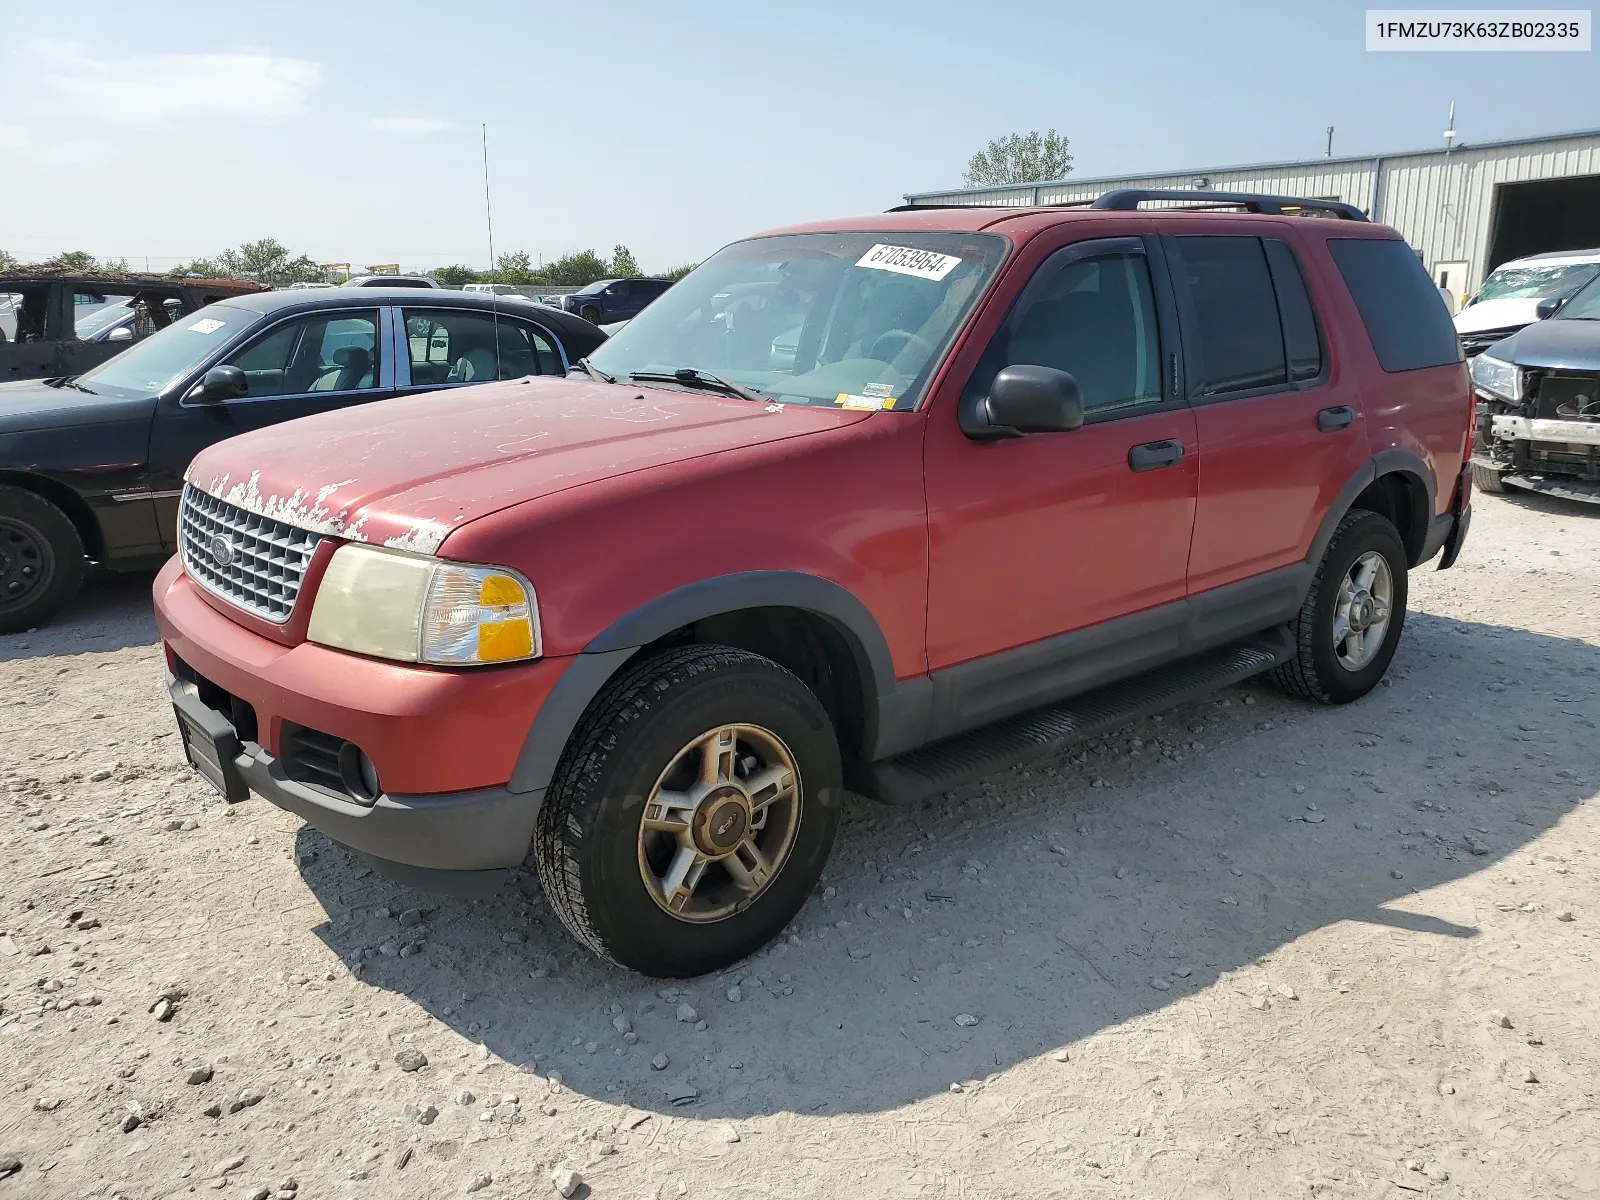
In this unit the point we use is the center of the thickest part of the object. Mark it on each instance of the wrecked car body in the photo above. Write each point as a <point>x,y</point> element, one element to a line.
<point>55,321</point>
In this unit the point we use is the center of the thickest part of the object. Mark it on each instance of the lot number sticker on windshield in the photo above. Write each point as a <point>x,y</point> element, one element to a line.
<point>908,260</point>
<point>209,325</point>
<point>865,403</point>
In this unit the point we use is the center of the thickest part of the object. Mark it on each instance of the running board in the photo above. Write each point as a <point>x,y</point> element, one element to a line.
<point>968,756</point>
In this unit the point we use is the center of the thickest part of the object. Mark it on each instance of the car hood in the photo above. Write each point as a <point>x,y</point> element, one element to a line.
<point>1497,314</point>
<point>29,405</point>
<point>407,473</point>
<point>1561,343</point>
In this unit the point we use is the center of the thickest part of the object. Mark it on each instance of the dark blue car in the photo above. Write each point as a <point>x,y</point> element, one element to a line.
<point>608,300</point>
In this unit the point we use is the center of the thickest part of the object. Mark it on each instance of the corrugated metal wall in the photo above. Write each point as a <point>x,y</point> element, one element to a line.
<point>1442,204</point>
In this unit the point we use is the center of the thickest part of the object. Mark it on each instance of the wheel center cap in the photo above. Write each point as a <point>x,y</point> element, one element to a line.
<point>721,821</point>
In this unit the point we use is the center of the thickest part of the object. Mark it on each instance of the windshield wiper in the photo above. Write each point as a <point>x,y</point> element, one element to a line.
<point>71,381</point>
<point>594,372</point>
<point>693,377</point>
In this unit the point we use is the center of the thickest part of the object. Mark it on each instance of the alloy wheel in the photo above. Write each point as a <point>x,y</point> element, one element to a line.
<point>1362,609</point>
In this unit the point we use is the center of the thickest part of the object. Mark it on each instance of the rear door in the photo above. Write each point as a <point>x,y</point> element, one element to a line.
<point>308,363</point>
<point>1279,424</point>
<point>452,347</point>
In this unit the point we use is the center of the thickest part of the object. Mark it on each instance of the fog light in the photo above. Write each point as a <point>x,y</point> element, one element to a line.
<point>359,776</point>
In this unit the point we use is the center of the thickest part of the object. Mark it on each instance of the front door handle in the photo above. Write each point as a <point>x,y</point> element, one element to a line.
<point>1152,456</point>
<point>1330,419</point>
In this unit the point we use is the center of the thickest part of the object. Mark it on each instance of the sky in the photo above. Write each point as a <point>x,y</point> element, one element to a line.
<point>352,131</point>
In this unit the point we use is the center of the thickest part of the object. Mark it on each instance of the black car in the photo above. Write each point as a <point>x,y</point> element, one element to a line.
<point>1538,398</point>
<point>91,465</point>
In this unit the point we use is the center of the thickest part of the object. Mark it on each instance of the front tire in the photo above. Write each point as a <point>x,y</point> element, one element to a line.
<point>41,560</point>
<point>1487,479</point>
<point>591,315</point>
<point>691,813</point>
<point>1350,623</point>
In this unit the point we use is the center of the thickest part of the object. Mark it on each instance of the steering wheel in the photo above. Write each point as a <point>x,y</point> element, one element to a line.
<point>907,341</point>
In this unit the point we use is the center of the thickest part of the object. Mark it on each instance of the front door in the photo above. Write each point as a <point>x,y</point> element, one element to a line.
<point>1046,534</point>
<point>1280,427</point>
<point>310,363</point>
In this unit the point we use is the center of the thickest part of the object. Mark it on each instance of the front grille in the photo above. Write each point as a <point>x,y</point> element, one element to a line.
<point>250,561</point>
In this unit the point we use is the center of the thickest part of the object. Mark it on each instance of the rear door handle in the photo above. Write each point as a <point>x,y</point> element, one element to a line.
<point>1330,419</point>
<point>1152,456</point>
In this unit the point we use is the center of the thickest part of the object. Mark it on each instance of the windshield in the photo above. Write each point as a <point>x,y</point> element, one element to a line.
<point>853,319</point>
<point>1535,283</point>
<point>150,365</point>
<point>1585,306</point>
<point>599,285</point>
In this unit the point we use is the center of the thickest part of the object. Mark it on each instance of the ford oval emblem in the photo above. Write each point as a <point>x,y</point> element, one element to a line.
<point>222,551</point>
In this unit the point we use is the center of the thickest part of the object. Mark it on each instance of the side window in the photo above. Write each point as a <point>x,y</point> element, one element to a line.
<point>334,353</point>
<point>1398,303</point>
<point>1094,318</point>
<point>1234,337</point>
<point>450,346</point>
<point>1301,340</point>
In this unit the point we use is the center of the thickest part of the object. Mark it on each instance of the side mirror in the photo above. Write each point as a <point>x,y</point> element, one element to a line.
<point>1550,306</point>
<point>120,334</point>
<point>1024,399</point>
<point>219,384</point>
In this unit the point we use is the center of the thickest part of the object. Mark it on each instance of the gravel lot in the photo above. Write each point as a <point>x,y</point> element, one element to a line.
<point>1252,948</point>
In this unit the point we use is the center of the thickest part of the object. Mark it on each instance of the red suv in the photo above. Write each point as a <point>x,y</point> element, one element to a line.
<point>884,504</point>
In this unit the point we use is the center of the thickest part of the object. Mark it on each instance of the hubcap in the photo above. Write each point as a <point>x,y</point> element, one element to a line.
<point>24,562</point>
<point>1362,611</point>
<point>720,822</point>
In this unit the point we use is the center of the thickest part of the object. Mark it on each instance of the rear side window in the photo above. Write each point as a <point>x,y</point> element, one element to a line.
<point>1230,312</point>
<point>1401,308</point>
<point>1300,340</point>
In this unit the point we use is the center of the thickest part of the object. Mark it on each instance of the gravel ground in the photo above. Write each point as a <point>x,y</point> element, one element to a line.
<point>1252,948</point>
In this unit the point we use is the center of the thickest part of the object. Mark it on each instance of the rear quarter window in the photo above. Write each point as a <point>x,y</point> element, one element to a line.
<point>1404,315</point>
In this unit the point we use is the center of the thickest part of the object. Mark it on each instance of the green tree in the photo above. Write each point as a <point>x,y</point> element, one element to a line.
<point>8,262</point>
<point>623,263</point>
<point>677,273</point>
<point>575,270</point>
<point>454,276</point>
<point>268,260</point>
<point>1019,158</point>
<point>200,266</point>
<point>74,260</point>
<point>514,268</point>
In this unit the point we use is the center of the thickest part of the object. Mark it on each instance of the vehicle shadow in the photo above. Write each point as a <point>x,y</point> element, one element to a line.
<point>1555,506</point>
<point>112,612</point>
<point>1044,906</point>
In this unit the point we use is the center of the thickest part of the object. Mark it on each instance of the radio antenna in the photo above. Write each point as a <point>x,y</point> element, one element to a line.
<point>488,217</point>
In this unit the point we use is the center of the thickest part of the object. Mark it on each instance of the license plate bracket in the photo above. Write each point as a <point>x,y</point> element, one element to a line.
<point>211,744</point>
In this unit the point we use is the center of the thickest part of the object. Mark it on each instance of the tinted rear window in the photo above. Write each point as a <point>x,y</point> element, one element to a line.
<point>1238,339</point>
<point>1300,339</point>
<point>1400,306</point>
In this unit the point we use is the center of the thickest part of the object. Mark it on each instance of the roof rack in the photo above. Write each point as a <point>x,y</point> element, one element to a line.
<point>1129,199</point>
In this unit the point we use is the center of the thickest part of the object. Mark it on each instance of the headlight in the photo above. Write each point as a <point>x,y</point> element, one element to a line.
<point>1497,376</point>
<point>416,609</point>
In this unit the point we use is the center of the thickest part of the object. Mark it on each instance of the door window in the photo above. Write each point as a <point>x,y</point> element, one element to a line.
<point>1301,339</point>
<point>1233,332</point>
<point>1094,318</point>
<point>460,346</point>
<point>337,352</point>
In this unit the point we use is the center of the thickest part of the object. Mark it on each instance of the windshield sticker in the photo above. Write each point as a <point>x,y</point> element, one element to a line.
<point>209,325</point>
<point>878,389</point>
<point>864,403</point>
<point>908,260</point>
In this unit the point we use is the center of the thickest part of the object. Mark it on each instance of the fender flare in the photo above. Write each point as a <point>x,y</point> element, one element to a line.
<point>1393,461</point>
<point>593,667</point>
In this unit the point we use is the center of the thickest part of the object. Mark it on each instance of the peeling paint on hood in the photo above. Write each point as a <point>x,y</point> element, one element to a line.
<point>411,470</point>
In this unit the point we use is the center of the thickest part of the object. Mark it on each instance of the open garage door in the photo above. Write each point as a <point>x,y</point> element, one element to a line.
<point>1544,215</point>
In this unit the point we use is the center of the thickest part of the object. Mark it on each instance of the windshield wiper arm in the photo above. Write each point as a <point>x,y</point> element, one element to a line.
<point>594,372</point>
<point>693,377</point>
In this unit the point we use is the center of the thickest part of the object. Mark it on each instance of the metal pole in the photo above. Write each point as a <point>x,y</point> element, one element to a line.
<point>488,213</point>
<point>1329,152</point>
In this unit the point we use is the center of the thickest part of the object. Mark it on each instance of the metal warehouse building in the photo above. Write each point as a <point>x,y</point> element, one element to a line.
<point>1466,210</point>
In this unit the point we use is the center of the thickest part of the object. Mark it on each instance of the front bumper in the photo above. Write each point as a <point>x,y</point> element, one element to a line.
<point>445,743</point>
<point>1553,456</point>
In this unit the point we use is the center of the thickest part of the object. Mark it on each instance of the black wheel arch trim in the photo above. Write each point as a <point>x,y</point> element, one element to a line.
<point>895,714</point>
<point>1393,461</point>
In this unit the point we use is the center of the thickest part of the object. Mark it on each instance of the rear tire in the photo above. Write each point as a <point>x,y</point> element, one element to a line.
<point>1487,479</point>
<point>641,791</point>
<point>41,560</point>
<point>1340,651</point>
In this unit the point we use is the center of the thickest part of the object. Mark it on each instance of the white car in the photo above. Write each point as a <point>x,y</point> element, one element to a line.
<point>1509,298</point>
